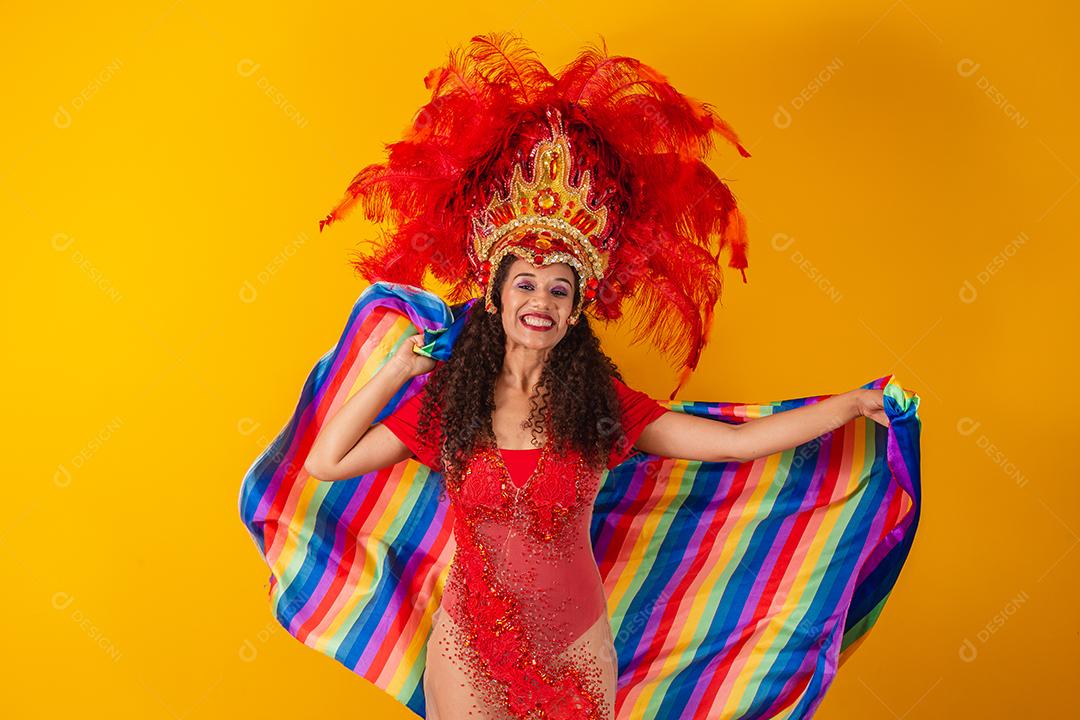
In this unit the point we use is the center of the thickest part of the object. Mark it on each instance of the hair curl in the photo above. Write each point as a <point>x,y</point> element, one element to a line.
<point>575,391</point>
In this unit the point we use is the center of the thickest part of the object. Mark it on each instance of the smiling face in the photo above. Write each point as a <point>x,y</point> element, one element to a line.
<point>536,303</point>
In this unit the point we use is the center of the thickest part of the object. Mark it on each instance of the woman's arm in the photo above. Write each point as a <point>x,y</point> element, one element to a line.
<point>679,435</point>
<point>347,444</point>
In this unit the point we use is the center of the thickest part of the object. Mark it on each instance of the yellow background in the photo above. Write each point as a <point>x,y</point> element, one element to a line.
<point>912,204</point>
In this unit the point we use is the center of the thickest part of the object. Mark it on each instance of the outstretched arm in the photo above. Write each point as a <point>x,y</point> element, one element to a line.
<point>689,437</point>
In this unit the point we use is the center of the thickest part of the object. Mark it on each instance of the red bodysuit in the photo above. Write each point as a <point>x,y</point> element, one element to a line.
<point>526,616</point>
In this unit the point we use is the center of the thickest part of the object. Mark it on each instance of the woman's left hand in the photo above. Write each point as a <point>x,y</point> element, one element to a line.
<point>871,404</point>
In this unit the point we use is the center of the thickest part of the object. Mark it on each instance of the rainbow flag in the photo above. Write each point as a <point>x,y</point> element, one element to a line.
<point>735,590</point>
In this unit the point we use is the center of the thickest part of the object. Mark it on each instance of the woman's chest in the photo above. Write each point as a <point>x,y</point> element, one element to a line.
<point>516,421</point>
<point>520,464</point>
<point>512,427</point>
<point>553,489</point>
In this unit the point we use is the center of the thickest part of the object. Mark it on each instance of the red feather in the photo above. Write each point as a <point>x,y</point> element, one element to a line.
<point>642,140</point>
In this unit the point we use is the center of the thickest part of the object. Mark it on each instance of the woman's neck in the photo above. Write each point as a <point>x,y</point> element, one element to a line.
<point>522,368</point>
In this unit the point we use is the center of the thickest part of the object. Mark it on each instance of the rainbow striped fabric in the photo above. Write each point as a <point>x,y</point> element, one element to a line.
<point>734,590</point>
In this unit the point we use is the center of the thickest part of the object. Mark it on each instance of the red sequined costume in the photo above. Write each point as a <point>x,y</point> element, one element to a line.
<point>525,623</point>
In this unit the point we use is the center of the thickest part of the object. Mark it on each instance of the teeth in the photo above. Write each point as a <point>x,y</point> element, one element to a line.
<point>536,322</point>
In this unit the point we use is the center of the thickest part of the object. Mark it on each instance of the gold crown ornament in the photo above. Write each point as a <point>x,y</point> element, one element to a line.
<point>546,220</point>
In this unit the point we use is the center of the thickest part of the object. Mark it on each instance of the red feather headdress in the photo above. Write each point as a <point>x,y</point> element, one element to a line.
<point>484,170</point>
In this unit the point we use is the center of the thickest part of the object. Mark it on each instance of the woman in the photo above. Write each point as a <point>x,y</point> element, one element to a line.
<point>556,195</point>
<point>523,622</point>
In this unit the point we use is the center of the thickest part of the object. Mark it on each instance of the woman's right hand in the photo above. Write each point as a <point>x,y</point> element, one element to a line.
<point>415,364</point>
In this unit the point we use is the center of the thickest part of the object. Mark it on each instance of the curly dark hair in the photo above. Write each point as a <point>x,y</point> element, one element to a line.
<point>575,391</point>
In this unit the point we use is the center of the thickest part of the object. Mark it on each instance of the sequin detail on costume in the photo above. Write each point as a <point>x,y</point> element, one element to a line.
<point>521,586</point>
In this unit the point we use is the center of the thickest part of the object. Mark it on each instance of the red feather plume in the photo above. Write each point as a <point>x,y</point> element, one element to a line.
<point>643,141</point>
